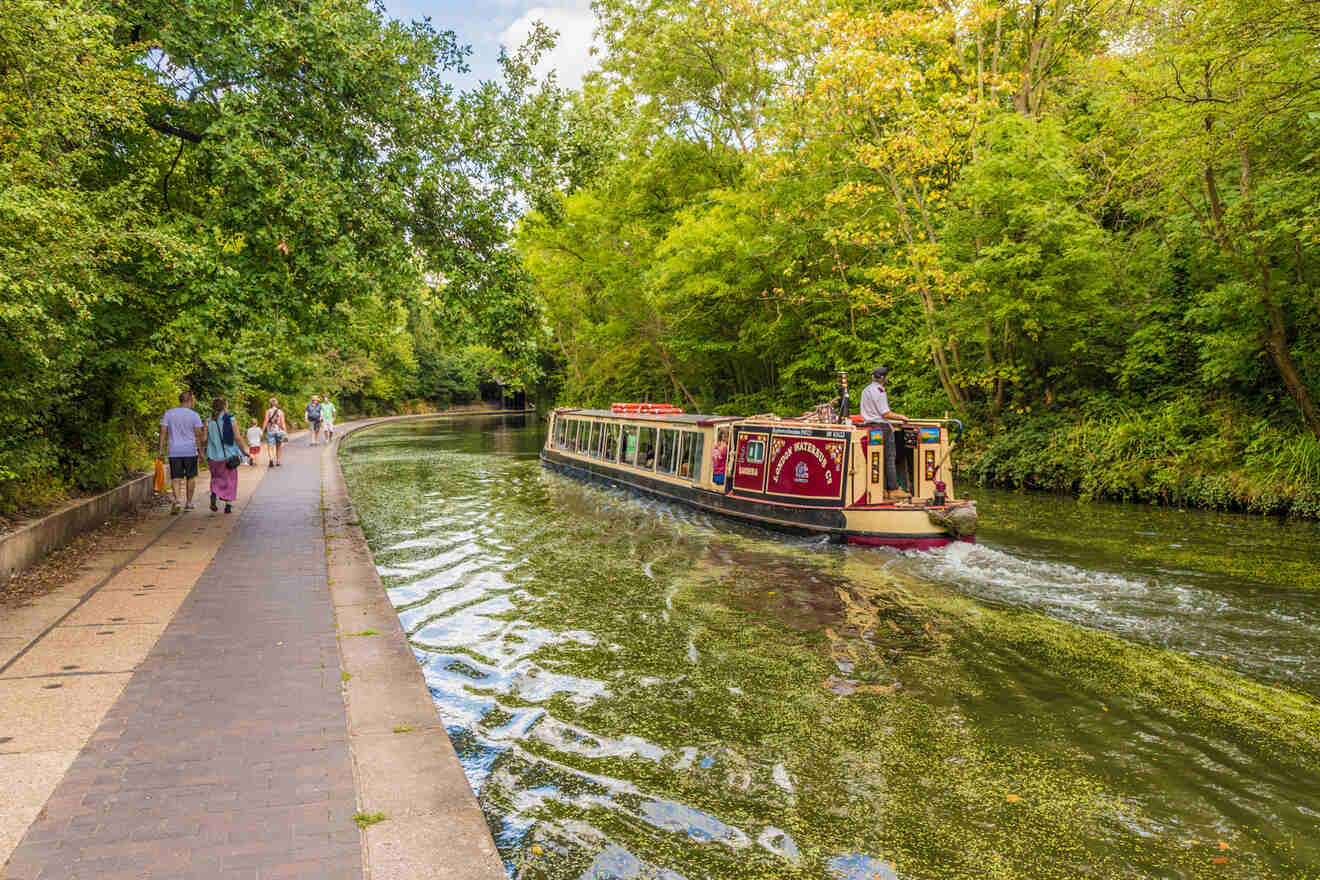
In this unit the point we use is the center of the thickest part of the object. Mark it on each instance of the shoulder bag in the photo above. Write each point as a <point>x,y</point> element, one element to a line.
<point>233,461</point>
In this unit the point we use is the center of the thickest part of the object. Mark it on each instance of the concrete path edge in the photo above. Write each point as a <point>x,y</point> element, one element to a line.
<point>405,765</point>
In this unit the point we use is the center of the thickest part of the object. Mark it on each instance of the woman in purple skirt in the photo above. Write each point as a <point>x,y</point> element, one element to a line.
<point>223,446</point>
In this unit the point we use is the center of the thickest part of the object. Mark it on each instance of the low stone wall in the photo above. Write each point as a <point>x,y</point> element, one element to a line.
<point>34,540</point>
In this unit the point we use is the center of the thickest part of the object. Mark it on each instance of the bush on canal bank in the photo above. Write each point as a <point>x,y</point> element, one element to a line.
<point>1185,452</point>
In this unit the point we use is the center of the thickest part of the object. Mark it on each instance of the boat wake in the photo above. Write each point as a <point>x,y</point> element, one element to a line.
<point>1264,631</point>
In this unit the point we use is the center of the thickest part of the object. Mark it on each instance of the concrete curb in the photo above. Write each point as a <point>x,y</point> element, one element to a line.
<point>405,765</point>
<point>34,540</point>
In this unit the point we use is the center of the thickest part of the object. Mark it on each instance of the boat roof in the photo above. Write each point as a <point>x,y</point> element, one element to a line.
<point>764,419</point>
<point>674,418</point>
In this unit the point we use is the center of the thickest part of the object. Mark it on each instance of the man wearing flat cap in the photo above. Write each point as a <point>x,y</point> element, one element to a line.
<point>875,411</point>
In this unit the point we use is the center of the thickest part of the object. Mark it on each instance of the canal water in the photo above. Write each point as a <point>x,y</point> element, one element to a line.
<point>638,690</point>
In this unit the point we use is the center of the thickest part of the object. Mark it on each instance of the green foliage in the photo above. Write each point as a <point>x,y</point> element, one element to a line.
<point>1069,225</point>
<point>1179,453</point>
<point>1034,264</point>
<point>245,206</point>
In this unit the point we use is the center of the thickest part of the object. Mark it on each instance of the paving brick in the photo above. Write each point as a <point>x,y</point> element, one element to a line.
<point>226,755</point>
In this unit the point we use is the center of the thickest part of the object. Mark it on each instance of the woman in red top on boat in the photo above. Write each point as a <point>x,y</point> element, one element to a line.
<point>719,456</point>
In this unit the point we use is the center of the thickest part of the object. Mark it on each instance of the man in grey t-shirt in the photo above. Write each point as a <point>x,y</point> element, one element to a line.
<point>875,411</point>
<point>180,439</point>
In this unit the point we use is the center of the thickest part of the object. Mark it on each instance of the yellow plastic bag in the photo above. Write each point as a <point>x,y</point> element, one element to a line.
<point>160,476</point>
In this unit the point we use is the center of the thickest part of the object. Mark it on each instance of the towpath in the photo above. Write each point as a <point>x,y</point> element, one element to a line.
<point>225,696</point>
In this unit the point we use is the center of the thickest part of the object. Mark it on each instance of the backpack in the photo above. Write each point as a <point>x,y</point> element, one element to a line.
<point>313,412</point>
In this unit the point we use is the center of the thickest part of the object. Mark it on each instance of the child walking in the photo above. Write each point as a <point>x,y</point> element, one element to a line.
<point>254,443</point>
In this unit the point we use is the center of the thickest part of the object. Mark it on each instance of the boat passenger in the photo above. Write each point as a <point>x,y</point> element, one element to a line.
<point>719,456</point>
<point>648,456</point>
<point>875,411</point>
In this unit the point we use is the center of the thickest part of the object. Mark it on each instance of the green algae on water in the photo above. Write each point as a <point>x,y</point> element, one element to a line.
<point>635,689</point>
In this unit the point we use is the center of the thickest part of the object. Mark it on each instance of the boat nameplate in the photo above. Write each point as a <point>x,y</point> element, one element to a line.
<point>810,432</point>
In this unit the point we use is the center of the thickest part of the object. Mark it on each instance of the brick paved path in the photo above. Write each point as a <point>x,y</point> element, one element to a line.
<point>227,754</point>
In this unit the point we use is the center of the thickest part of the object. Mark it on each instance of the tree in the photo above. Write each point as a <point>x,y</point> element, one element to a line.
<point>238,205</point>
<point>1033,263</point>
<point>1225,125</point>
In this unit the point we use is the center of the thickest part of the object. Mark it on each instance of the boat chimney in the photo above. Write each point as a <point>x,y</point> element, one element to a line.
<point>843,395</point>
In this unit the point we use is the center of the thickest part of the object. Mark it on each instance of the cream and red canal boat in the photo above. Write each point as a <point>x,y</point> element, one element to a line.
<point>802,475</point>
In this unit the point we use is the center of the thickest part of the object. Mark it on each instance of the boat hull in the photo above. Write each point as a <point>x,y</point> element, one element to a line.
<point>908,543</point>
<point>908,529</point>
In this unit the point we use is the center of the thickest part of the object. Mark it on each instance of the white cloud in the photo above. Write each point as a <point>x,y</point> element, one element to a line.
<point>575,23</point>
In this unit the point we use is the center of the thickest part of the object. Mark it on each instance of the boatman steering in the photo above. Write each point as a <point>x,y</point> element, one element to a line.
<point>875,411</point>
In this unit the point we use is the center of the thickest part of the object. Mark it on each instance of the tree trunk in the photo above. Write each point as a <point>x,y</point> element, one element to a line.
<point>951,388</point>
<point>679,387</point>
<point>1276,339</point>
<point>998,400</point>
<point>1276,343</point>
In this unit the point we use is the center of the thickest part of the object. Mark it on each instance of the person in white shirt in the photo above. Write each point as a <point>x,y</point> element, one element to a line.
<point>254,443</point>
<point>875,411</point>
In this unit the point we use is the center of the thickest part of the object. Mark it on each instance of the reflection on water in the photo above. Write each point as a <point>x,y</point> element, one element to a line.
<point>637,690</point>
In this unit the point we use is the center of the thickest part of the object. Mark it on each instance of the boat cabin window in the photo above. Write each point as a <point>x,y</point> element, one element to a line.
<point>629,445</point>
<point>561,428</point>
<point>667,454</point>
<point>570,440</point>
<point>611,447</point>
<point>755,451</point>
<point>689,460</point>
<point>594,448</point>
<point>646,449</point>
<point>583,436</point>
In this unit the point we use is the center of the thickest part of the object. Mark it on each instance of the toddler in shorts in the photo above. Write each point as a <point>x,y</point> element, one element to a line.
<point>254,442</point>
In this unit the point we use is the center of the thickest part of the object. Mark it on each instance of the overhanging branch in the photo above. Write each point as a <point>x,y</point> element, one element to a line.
<point>175,131</point>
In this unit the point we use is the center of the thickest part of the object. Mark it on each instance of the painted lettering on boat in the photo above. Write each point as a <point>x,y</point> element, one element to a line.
<point>813,464</point>
<point>802,446</point>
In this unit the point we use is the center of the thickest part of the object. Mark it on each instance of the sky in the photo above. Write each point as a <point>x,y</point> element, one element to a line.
<point>485,25</point>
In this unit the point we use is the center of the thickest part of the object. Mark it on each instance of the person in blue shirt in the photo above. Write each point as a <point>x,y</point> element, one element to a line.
<point>875,411</point>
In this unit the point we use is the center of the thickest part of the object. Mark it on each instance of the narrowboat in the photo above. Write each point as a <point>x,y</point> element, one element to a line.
<point>821,475</point>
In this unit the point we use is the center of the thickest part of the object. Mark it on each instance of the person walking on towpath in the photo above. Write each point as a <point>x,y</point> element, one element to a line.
<point>328,417</point>
<point>254,442</point>
<point>875,411</point>
<point>180,440</point>
<point>313,414</point>
<point>224,455</point>
<point>277,432</point>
